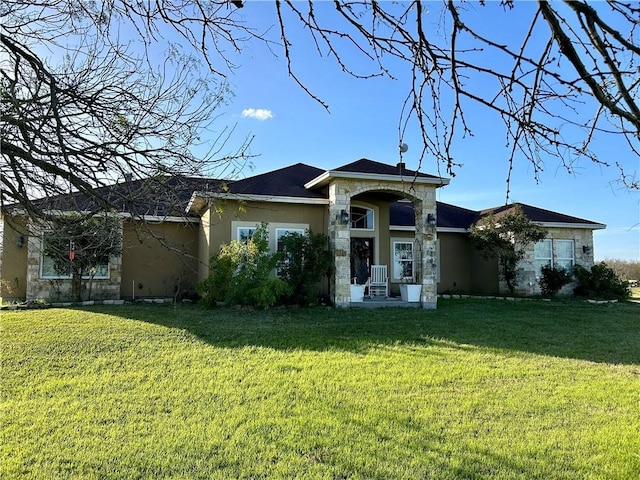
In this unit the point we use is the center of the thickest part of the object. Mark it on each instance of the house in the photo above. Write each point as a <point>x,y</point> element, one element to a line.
<point>373,214</point>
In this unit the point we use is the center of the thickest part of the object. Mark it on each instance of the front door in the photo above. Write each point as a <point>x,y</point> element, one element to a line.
<point>361,259</point>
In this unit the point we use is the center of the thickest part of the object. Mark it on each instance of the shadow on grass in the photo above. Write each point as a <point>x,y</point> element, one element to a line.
<point>607,333</point>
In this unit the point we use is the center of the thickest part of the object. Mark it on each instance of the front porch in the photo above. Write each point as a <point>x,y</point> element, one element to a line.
<point>385,302</point>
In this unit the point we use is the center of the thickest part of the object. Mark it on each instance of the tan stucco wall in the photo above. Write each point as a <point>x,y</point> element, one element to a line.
<point>13,259</point>
<point>275,214</point>
<point>455,254</point>
<point>461,269</point>
<point>158,260</point>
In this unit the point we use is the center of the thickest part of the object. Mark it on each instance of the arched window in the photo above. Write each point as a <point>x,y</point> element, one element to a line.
<point>361,218</point>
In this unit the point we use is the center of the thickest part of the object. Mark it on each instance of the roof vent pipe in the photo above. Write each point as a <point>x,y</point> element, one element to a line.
<point>401,166</point>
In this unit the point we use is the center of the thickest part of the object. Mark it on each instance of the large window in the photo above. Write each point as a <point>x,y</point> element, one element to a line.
<point>554,253</point>
<point>565,254</point>
<point>246,233</point>
<point>543,254</point>
<point>281,232</point>
<point>48,269</point>
<point>403,260</point>
<point>361,218</point>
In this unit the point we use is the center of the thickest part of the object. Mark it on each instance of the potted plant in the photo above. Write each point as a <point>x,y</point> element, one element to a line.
<point>357,291</point>
<point>410,289</point>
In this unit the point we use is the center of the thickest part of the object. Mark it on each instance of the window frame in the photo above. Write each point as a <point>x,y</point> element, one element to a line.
<point>559,260</point>
<point>540,261</point>
<point>251,230</point>
<point>397,263</point>
<point>370,211</point>
<point>301,231</point>
<point>57,276</point>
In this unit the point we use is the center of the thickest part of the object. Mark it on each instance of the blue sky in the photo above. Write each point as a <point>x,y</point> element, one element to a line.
<point>362,121</point>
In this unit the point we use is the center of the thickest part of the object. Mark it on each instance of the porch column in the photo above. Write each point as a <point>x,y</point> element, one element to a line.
<point>339,237</point>
<point>426,240</point>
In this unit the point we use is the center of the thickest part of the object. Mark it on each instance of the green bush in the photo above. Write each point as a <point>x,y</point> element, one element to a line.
<point>305,261</point>
<point>552,280</point>
<point>600,282</point>
<point>241,274</point>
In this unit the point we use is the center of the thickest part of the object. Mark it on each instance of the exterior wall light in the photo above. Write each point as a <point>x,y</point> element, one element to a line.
<point>20,241</point>
<point>586,249</point>
<point>431,220</point>
<point>343,218</point>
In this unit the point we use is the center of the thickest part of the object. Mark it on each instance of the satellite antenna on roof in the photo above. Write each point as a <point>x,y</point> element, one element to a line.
<point>404,147</point>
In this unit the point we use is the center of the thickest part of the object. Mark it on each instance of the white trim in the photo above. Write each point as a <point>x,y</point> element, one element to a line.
<point>370,208</point>
<point>255,198</point>
<point>392,243</point>
<point>159,218</point>
<point>411,228</point>
<point>323,179</point>
<point>588,226</point>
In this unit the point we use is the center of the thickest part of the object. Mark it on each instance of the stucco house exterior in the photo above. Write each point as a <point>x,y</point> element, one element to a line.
<point>373,214</point>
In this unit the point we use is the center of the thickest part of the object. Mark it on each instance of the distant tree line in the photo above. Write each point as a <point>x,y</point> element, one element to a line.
<point>625,269</point>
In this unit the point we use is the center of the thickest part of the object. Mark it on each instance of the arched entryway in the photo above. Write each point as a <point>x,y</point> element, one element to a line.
<point>342,191</point>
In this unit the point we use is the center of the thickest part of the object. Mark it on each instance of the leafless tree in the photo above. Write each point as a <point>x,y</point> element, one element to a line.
<point>569,77</point>
<point>91,91</point>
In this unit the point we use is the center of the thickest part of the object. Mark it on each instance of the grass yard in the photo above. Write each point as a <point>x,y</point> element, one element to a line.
<point>476,389</point>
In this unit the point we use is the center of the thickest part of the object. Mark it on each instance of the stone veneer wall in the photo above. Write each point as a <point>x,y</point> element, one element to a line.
<point>341,191</point>
<point>527,275</point>
<point>60,289</point>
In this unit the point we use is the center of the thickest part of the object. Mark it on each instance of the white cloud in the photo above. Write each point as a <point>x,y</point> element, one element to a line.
<point>257,113</point>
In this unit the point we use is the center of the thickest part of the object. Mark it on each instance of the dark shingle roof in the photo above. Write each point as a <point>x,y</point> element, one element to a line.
<point>535,214</point>
<point>284,182</point>
<point>401,214</point>
<point>159,196</point>
<point>365,165</point>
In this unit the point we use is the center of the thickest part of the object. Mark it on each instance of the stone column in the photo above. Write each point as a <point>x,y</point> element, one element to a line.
<point>426,243</point>
<point>339,241</point>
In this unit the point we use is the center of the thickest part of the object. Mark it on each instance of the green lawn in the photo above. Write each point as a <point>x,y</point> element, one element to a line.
<point>476,389</point>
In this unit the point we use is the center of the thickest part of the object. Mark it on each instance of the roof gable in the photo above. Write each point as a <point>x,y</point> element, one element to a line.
<point>364,165</point>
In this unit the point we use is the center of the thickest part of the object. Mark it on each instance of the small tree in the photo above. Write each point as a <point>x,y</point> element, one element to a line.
<point>305,261</point>
<point>79,245</point>
<point>506,238</point>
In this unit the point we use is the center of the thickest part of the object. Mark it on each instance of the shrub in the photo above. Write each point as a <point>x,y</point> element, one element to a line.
<point>241,274</point>
<point>600,282</point>
<point>305,261</point>
<point>552,280</point>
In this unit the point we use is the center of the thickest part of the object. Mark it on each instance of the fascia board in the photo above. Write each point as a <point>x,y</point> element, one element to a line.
<point>323,179</point>
<point>261,198</point>
<point>588,226</point>
<point>159,218</point>
<point>410,228</point>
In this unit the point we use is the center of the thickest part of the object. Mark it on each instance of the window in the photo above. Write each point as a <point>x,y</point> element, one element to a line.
<point>48,269</point>
<point>281,232</point>
<point>246,233</point>
<point>402,260</point>
<point>565,254</point>
<point>543,255</point>
<point>361,218</point>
